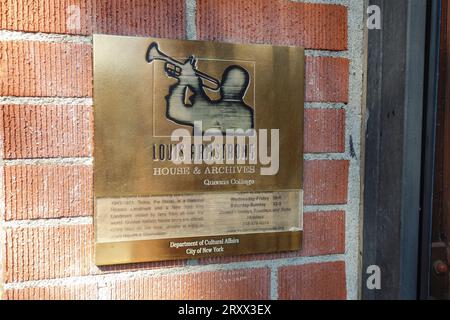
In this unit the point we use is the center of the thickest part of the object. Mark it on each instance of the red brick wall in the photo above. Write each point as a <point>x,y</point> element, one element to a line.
<point>46,120</point>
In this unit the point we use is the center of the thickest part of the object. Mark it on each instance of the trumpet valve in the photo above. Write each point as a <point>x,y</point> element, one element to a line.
<point>172,70</point>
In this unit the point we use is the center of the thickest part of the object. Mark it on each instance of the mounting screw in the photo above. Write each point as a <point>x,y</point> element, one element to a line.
<point>440,267</point>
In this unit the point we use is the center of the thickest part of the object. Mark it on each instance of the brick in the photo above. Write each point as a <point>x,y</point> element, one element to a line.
<point>52,252</point>
<point>44,69</point>
<point>69,292</point>
<point>48,191</point>
<point>37,253</point>
<point>324,131</point>
<point>314,26</point>
<point>47,131</point>
<point>324,234</point>
<point>130,267</point>
<point>325,182</point>
<point>326,79</point>
<point>248,284</point>
<point>163,18</point>
<point>321,281</point>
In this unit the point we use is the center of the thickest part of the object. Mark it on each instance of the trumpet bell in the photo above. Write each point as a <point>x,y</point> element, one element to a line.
<point>152,52</point>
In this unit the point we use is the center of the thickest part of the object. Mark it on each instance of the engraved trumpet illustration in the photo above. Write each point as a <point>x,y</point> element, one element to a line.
<point>188,102</point>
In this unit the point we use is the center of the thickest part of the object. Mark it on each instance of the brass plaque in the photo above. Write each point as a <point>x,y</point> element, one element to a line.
<point>198,149</point>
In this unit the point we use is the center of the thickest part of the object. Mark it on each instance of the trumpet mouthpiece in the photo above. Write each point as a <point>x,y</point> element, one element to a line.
<point>152,52</point>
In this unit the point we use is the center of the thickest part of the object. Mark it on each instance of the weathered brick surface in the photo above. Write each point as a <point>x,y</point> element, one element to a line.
<point>96,270</point>
<point>281,22</point>
<point>321,281</point>
<point>40,253</point>
<point>326,79</point>
<point>248,284</point>
<point>44,69</point>
<point>159,18</point>
<point>37,253</point>
<point>324,131</point>
<point>61,69</point>
<point>47,131</point>
<point>325,182</point>
<point>324,234</point>
<point>47,191</point>
<point>69,292</point>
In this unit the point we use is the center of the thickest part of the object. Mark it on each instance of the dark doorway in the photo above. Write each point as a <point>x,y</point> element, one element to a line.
<point>440,235</point>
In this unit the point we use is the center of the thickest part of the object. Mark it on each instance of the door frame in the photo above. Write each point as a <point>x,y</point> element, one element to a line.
<point>401,97</point>
<point>433,58</point>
